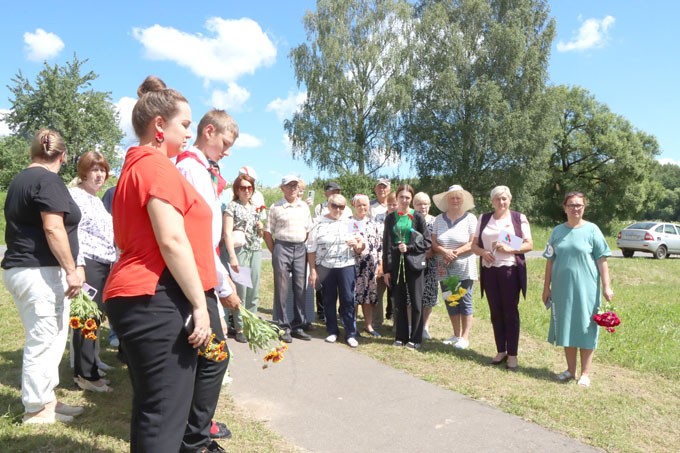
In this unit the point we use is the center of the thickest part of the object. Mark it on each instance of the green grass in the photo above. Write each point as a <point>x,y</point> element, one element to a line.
<point>634,401</point>
<point>633,404</point>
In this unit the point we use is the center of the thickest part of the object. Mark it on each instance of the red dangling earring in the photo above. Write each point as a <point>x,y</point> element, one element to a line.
<point>160,137</point>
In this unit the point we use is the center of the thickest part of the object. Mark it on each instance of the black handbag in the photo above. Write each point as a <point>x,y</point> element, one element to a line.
<point>416,260</point>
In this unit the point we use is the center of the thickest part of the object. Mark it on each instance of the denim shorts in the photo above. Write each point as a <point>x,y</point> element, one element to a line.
<point>464,306</point>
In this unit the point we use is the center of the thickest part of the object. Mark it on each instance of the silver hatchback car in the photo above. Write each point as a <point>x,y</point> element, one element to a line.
<point>658,238</point>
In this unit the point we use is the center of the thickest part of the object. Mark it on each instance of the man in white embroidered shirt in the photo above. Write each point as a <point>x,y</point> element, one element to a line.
<point>216,133</point>
<point>287,228</point>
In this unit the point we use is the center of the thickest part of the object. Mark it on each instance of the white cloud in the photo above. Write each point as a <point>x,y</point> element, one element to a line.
<point>247,141</point>
<point>124,107</point>
<point>233,48</point>
<point>231,100</point>
<point>42,45</point>
<point>284,108</point>
<point>667,160</point>
<point>287,144</point>
<point>593,33</point>
<point>4,128</point>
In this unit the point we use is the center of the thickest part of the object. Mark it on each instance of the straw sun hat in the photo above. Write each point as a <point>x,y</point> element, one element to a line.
<point>441,199</point>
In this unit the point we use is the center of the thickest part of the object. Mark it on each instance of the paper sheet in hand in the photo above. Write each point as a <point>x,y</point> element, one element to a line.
<point>242,277</point>
<point>355,227</point>
<point>505,237</point>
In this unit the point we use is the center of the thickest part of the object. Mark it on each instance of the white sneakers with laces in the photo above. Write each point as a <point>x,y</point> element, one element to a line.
<point>452,340</point>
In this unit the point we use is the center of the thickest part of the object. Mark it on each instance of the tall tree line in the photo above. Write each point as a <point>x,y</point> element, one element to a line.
<point>460,89</point>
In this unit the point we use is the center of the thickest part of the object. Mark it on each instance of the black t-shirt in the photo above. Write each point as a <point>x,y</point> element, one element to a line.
<point>31,192</point>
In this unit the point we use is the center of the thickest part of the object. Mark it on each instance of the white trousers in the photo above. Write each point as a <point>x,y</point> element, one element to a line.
<point>38,293</point>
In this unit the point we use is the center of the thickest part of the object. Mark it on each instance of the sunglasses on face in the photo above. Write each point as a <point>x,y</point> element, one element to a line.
<point>337,206</point>
<point>245,188</point>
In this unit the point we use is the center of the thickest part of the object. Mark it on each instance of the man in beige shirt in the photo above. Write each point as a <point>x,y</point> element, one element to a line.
<point>287,228</point>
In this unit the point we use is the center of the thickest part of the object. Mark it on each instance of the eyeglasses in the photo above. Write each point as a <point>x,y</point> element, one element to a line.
<point>575,206</point>
<point>245,188</point>
<point>337,206</point>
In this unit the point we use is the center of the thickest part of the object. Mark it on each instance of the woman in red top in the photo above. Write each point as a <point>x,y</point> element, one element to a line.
<point>165,271</point>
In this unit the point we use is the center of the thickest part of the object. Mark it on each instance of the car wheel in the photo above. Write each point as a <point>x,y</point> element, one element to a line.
<point>627,253</point>
<point>661,252</point>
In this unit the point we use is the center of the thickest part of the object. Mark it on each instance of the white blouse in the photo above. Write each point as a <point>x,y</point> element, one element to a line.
<point>95,230</point>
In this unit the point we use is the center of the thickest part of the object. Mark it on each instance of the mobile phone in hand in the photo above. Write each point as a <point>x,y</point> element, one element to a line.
<point>310,194</point>
<point>189,324</point>
<point>548,302</point>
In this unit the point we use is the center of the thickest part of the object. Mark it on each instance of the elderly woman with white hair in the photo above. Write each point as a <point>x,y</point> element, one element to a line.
<point>332,247</point>
<point>366,266</point>
<point>452,235</point>
<point>422,203</point>
<point>501,239</point>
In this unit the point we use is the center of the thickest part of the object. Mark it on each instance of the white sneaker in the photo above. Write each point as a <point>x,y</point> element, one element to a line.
<point>453,340</point>
<point>103,366</point>
<point>352,342</point>
<point>584,381</point>
<point>462,343</point>
<point>426,335</point>
<point>332,339</point>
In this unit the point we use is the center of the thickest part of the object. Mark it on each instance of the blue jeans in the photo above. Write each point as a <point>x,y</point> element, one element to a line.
<point>340,281</point>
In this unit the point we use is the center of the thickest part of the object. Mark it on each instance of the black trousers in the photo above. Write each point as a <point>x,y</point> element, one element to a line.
<point>207,386</point>
<point>84,356</point>
<point>161,362</point>
<point>403,292</point>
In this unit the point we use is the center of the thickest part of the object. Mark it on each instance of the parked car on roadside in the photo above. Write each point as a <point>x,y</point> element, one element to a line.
<point>659,238</point>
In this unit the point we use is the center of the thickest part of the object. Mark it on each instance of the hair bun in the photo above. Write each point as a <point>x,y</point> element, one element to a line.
<point>150,84</point>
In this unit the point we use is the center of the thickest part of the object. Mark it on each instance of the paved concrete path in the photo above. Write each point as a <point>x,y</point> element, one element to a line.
<point>329,398</point>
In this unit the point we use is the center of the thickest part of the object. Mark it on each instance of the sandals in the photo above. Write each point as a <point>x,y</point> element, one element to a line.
<point>565,376</point>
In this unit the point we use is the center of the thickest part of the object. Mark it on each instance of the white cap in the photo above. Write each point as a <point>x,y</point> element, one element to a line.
<point>249,171</point>
<point>288,179</point>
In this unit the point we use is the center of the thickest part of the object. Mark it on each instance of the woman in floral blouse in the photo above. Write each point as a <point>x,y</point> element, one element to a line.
<point>366,286</point>
<point>95,237</point>
<point>243,241</point>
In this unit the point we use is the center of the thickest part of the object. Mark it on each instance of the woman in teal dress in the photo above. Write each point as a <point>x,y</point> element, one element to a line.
<point>577,262</point>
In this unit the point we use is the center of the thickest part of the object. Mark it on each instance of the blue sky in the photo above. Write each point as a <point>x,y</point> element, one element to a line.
<point>234,55</point>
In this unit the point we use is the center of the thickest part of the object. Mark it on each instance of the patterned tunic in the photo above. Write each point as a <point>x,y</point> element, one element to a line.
<point>431,290</point>
<point>95,230</point>
<point>245,219</point>
<point>366,285</point>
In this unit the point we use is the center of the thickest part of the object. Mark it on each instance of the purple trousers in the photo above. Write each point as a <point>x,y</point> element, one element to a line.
<point>502,288</point>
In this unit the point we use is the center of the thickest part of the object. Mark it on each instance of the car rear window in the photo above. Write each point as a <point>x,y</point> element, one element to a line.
<point>641,226</point>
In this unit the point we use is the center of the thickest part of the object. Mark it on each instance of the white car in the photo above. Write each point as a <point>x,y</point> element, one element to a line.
<point>659,238</point>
